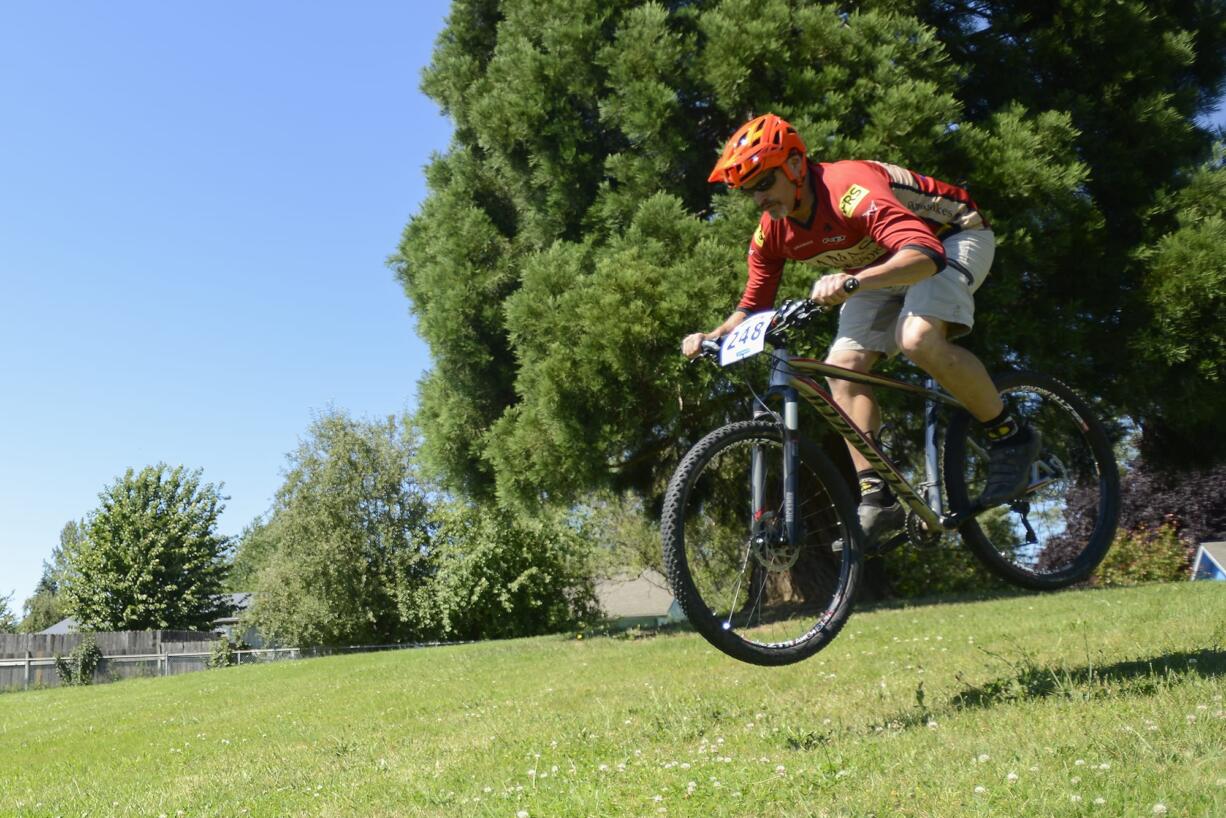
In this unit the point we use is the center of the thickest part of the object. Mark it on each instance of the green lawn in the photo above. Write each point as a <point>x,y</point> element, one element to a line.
<point>1082,703</point>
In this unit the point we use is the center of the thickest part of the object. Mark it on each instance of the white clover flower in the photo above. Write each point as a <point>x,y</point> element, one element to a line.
<point>1074,798</point>
<point>780,769</point>
<point>1076,780</point>
<point>657,798</point>
<point>983,757</point>
<point>1159,809</point>
<point>523,813</point>
<point>980,790</point>
<point>1100,801</point>
<point>1011,777</point>
<point>1079,762</point>
<point>1104,766</point>
<point>932,725</point>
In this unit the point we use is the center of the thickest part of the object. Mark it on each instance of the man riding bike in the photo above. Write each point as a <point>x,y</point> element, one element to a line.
<point>919,248</point>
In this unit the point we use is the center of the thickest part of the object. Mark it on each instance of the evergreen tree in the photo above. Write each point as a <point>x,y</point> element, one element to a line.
<point>1133,77</point>
<point>45,607</point>
<point>8,621</point>
<point>570,238</point>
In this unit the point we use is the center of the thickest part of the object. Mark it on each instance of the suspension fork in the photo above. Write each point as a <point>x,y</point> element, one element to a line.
<point>932,463</point>
<point>780,385</point>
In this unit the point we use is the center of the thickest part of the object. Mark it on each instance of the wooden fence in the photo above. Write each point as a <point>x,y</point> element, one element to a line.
<point>28,659</point>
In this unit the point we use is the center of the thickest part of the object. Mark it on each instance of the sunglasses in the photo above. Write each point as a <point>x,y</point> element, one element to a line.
<point>767,182</point>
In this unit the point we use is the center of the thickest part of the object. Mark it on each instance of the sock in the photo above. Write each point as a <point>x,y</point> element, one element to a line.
<point>873,490</point>
<point>1005,428</point>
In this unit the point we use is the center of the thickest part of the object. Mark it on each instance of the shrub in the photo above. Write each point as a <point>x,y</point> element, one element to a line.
<point>78,668</point>
<point>223,653</point>
<point>1145,554</point>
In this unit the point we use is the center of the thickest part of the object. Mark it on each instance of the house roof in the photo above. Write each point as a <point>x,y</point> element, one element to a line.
<point>237,603</point>
<point>628,595</point>
<point>68,625</point>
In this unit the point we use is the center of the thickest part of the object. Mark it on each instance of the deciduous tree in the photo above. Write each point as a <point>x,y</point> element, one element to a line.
<point>151,556</point>
<point>344,543</point>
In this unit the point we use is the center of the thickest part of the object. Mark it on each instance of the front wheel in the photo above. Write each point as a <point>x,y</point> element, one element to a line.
<point>751,589</point>
<point>1058,531</point>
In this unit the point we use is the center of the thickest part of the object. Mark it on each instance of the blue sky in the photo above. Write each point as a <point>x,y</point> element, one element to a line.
<point>196,206</point>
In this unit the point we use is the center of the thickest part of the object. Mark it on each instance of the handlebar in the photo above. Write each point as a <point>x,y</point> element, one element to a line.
<point>790,315</point>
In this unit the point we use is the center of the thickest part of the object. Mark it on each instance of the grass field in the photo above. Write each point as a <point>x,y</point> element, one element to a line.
<point>1082,703</point>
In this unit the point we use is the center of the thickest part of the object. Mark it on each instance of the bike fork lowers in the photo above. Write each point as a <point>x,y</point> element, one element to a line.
<point>791,453</point>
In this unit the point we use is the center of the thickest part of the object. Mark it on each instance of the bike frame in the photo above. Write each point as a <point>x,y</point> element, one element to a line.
<point>795,378</point>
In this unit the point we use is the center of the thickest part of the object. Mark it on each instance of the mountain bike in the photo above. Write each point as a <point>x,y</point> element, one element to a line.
<point>762,544</point>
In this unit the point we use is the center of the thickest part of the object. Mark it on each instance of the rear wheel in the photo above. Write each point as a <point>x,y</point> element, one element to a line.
<point>747,589</point>
<point>1058,531</point>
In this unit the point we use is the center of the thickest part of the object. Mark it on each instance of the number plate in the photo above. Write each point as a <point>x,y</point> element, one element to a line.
<point>749,338</point>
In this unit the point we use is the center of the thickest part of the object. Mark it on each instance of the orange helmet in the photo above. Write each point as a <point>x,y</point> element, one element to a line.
<point>761,143</point>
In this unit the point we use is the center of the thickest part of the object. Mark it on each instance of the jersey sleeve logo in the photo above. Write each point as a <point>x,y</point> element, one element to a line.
<point>847,204</point>
<point>759,236</point>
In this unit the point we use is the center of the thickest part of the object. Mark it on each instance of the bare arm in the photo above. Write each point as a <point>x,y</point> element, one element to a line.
<point>692,345</point>
<point>907,266</point>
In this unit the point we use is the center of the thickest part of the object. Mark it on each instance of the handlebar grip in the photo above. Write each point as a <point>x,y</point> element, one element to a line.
<point>710,346</point>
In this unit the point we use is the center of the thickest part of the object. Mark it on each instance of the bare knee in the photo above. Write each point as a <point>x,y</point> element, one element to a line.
<point>923,340</point>
<point>858,360</point>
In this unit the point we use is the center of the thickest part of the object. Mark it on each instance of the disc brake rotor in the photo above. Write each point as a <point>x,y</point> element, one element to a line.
<point>768,546</point>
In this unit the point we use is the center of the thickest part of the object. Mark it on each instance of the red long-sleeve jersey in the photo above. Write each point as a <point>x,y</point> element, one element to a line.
<point>864,211</point>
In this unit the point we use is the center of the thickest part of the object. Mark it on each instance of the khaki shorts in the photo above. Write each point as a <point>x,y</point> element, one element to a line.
<point>868,320</point>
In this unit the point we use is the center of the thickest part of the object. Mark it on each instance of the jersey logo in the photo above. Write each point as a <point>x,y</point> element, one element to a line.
<point>847,204</point>
<point>759,236</point>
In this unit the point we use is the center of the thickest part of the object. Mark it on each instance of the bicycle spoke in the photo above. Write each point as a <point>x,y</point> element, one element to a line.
<point>762,590</point>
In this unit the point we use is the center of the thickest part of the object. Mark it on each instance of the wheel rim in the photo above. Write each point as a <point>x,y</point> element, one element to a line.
<point>750,583</point>
<point>1047,530</point>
